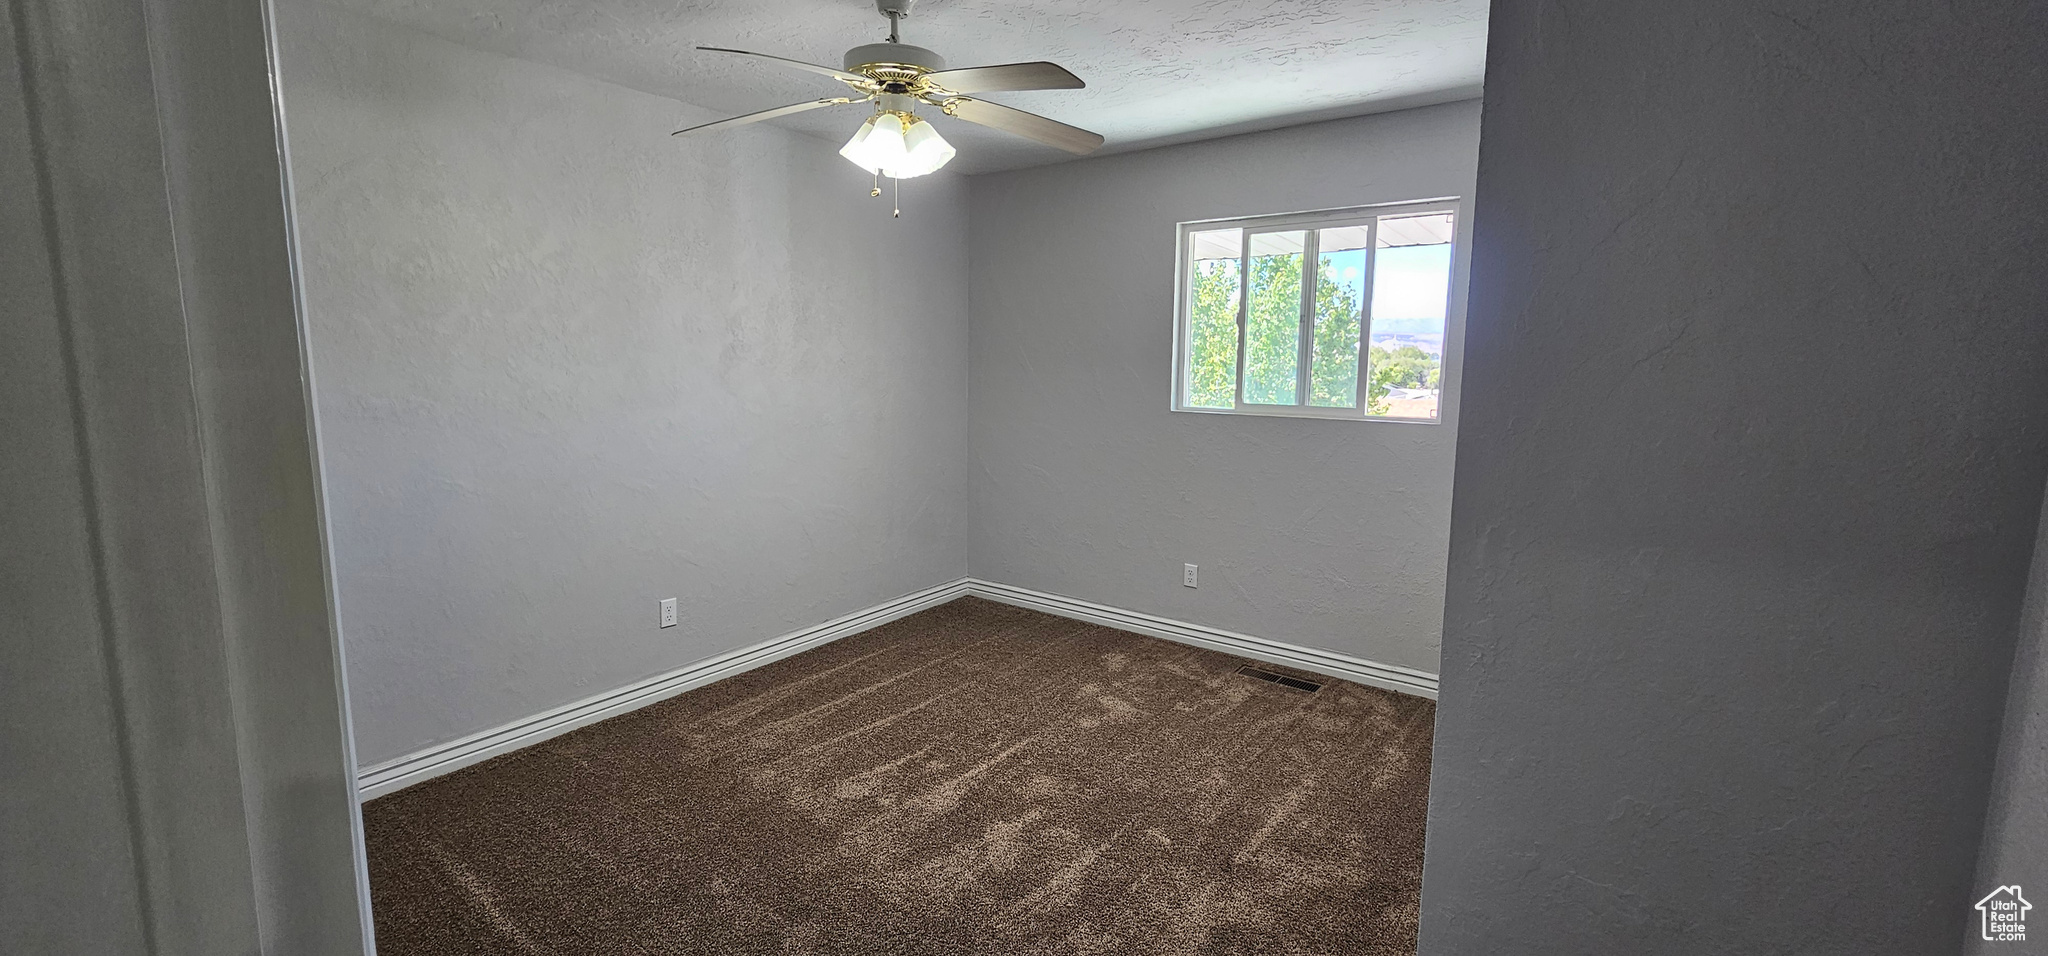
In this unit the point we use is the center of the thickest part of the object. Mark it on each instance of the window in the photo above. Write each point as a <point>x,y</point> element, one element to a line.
<point>1273,313</point>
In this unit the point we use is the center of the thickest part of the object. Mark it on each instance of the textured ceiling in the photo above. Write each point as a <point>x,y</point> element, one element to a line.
<point>1158,71</point>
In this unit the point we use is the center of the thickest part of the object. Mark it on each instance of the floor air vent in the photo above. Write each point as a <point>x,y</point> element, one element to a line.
<point>1281,679</point>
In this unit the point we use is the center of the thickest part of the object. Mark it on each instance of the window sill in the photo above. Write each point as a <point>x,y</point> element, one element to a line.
<point>1296,411</point>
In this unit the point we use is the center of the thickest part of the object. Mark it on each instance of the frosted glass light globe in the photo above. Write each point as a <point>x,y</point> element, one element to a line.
<point>877,145</point>
<point>926,151</point>
<point>883,145</point>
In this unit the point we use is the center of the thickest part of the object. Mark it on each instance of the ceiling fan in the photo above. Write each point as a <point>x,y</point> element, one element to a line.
<point>898,78</point>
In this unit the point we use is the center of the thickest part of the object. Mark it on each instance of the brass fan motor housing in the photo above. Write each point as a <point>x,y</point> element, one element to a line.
<point>897,69</point>
<point>897,78</point>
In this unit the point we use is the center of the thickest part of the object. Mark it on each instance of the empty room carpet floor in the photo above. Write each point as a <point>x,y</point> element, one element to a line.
<point>975,778</point>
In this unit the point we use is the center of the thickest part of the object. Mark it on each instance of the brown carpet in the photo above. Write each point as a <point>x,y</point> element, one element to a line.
<point>976,778</point>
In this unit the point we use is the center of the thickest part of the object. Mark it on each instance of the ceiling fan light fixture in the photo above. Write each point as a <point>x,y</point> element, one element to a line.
<point>888,145</point>
<point>899,79</point>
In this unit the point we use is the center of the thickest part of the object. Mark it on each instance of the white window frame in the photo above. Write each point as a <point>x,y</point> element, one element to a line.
<point>1309,222</point>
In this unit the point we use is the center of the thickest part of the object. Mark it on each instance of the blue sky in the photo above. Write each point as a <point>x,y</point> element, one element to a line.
<point>1413,281</point>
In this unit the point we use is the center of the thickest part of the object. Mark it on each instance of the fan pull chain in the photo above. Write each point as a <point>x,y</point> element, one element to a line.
<point>899,197</point>
<point>878,184</point>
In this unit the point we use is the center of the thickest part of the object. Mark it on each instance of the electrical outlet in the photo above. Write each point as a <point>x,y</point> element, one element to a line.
<point>1187,575</point>
<point>668,612</point>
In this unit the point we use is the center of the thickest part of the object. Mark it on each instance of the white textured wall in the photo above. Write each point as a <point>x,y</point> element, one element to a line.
<point>174,772</point>
<point>1329,534</point>
<point>567,366</point>
<point>1734,573</point>
<point>66,824</point>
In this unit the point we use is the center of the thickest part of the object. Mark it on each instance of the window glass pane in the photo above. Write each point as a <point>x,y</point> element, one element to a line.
<point>1340,297</point>
<point>1213,277</point>
<point>1272,357</point>
<point>1411,288</point>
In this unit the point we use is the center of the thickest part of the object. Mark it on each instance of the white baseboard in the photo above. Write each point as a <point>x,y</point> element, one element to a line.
<point>383,778</point>
<point>1406,680</point>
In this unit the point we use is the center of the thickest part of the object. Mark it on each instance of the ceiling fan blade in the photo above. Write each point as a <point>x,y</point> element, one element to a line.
<point>764,115</point>
<point>799,64</point>
<point>1037,75</point>
<point>1073,139</point>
